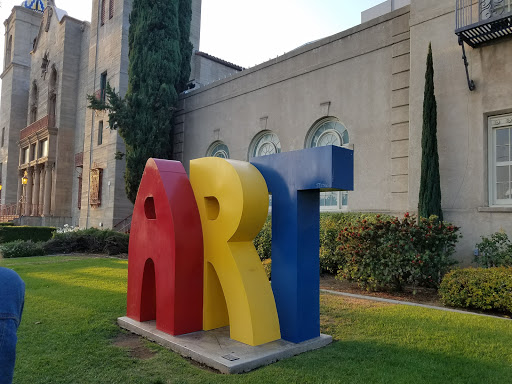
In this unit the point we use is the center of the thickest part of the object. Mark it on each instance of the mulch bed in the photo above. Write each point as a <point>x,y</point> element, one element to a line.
<point>423,295</point>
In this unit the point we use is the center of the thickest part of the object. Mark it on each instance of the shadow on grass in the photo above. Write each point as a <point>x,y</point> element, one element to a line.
<point>374,362</point>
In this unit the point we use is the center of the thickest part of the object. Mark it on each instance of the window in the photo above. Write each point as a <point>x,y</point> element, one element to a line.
<point>103,85</point>
<point>494,8</point>
<point>100,133</point>
<point>52,93</point>
<point>103,11</point>
<point>111,9</point>
<point>33,152</point>
<point>79,200</point>
<point>43,148</point>
<point>24,155</point>
<point>264,143</point>
<point>8,53</point>
<point>329,132</point>
<point>3,137</point>
<point>218,149</point>
<point>34,102</point>
<point>500,160</point>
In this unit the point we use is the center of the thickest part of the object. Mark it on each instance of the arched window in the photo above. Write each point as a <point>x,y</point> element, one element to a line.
<point>218,149</point>
<point>111,9</point>
<point>8,52</point>
<point>52,92</point>
<point>329,131</point>
<point>34,102</point>
<point>102,16</point>
<point>264,143</point>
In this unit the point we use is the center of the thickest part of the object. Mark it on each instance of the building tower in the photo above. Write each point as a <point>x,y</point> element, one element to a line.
<point>21,28</point>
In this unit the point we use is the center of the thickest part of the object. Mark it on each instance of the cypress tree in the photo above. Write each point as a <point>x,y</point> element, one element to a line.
<point>430,184</point>
<point>159,68</point>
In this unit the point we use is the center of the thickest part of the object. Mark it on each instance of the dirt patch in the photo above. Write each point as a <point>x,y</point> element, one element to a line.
<point>422,296</point>
<point>135,345</point>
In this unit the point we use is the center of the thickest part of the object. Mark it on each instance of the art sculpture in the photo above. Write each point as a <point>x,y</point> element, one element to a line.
<point>192,264</point>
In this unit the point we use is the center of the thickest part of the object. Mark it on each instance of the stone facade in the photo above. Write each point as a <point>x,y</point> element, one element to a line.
<point>65,150</point>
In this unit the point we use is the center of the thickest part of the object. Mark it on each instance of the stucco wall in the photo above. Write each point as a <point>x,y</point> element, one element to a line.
<point>347,76</point>
<point>462,119</point>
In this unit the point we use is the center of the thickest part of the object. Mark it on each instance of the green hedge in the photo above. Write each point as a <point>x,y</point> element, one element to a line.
<point>11,233</point>
<point>478,288</point>
<point>90,240</point>
<point>7,224</point>
<point>21,248</point>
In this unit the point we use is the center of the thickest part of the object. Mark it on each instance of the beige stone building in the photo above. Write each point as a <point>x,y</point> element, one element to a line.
<point>361,88</point>
<point>65,152</point>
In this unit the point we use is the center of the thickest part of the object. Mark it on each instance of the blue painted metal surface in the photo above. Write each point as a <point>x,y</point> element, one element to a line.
<point>295,180</point>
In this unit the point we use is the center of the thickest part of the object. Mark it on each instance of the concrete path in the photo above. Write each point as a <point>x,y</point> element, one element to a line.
<point>391,301</point>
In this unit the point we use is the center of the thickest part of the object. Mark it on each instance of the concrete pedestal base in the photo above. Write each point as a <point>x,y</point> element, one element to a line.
<point>215,349</point>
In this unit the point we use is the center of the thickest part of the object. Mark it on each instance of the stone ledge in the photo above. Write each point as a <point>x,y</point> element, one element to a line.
<point>215,349</point>
<point>495,209</point>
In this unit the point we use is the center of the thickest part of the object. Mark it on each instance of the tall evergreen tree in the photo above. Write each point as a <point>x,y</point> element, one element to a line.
<point>159,68</point>
<point>430,184</point>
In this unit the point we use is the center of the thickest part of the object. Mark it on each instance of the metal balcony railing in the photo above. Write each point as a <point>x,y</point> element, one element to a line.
<point>481,21</point>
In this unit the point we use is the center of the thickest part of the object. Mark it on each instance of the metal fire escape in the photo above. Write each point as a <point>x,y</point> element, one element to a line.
<point>479,22</point>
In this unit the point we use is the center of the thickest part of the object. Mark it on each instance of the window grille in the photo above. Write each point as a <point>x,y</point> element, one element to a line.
<point>111,9</point>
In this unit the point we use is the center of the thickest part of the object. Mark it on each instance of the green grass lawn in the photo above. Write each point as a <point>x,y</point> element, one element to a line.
<point>69,326</point>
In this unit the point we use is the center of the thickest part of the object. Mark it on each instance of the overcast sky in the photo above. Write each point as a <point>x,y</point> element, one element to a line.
<point>248,33</point>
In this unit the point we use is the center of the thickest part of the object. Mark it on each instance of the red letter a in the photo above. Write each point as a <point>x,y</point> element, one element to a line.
<point>165,256</point>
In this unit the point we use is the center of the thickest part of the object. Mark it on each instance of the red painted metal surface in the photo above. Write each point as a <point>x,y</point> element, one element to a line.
<point>165,256</point>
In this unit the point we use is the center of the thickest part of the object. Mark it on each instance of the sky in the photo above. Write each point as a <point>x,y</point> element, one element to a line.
<point>253,33</point>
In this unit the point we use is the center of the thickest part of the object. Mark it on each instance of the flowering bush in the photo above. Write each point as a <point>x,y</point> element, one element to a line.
<point>389,253</point>
<point>494,251</point>
<point>330,225</point>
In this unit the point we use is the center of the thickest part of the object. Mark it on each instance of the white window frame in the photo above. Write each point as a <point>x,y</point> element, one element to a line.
<point>257,143</point>
<point>214,151</point>
<point>309,144</point>
<point>495,123</point>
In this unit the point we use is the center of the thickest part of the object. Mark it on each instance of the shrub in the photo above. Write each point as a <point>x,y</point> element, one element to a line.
<point>7,224</point>
<point>478,288</point>
<point>330,225</point>
<point>90,240</point>
<point>267,265</point>
<point>331,259</point>
<point>21,248</point>
<point>494,251</point>
<point>390,253</point>
<point>12,233</point>
<point>263,240</point>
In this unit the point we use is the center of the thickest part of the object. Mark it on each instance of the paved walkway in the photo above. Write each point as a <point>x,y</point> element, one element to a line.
<point>391,301</point>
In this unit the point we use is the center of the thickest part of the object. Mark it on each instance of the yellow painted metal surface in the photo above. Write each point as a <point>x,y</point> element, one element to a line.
<point>232,197</point>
